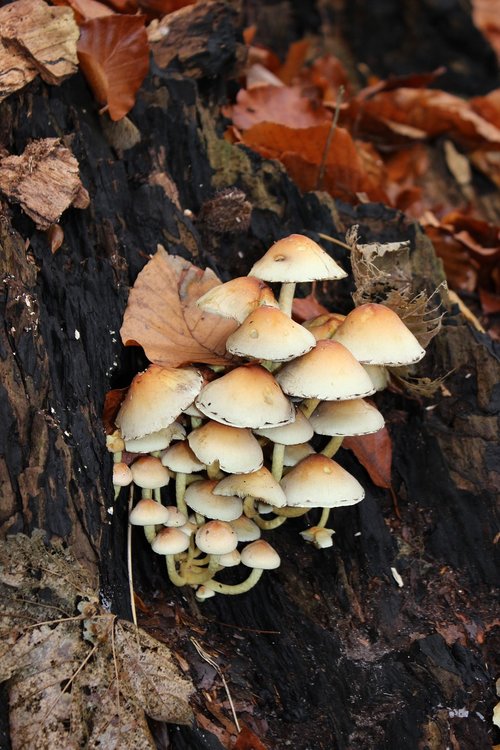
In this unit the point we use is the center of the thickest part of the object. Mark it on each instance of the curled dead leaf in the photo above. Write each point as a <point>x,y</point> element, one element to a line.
<point>374,452</point>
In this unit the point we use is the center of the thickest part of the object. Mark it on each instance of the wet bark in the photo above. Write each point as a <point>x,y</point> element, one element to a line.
<point>328,651</point>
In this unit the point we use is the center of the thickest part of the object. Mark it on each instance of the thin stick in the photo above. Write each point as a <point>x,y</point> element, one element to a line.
<point>334,240</point>
<point>214,664</point>
<point>129,558</point>
<point>335,119</point>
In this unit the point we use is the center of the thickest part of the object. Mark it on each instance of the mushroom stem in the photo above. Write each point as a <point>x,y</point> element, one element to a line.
<point>117,457</point>
<point>174,576</point>
<point>286,297</point>
<point>180,489</point>
<point>213,470</point>
<point>150,531</point>
<point>249,507</point>
<point>129,558</point>
<point>332,446</point>
<point>291,512</point>
<point>308,406</point>
<point>272,523</point>
<point>195,422</point>
<point>236,588</point>
<point>277,465</point>
<point>325,515</point>
<point>193,575</point>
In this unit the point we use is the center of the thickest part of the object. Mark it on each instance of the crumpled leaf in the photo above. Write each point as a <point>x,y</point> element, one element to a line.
<point>44,180</point>
<point>114,55</point>
<point>70,680</point>
<point>35,38</point>
<point>163,318</point>
<point>282,105</point>
<point>374,452</point>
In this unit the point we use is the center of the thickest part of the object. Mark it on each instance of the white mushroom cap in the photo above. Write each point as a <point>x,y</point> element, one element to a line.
<point>237,298</point>
<point>246,397</point>
<point>259,484</point>
<point>319,482</point>
<point>156,441</point>
<point>260,555</point>
<point>230,559</point>
<point>192,411</point>
<point>190,527</point>
<point>122,476</point>
<point>201,499</point>
<point>170,541</point>
<point>246,529</point>
<point>355,417</point>
<point>115,442</point>
<point>299,431</point>
<point>181,459</point>
<point>235,448</point>
<point>296,258</point>
<point>269,334</point>
<point>376,335</point>
<point>155,398</point>
<point>328,372</point>
<point>295,453</point>
<point>148,512</point>
<point>202,593</point>
<point>319,536</point>
<point>176,519</point>
<point>149,473</point>
<point>216,538</point>
<point>379,376</point>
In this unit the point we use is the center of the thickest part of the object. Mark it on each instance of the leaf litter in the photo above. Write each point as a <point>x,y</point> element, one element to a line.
<point>77,676</point>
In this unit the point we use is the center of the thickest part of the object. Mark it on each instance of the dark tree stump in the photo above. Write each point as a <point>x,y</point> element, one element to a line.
<point>328,651</point>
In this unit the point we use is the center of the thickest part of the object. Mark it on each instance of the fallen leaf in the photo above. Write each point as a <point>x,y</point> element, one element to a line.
<point>44,180</point>
<point>488,106</point>
<point>294,61</point>
<point>114,55</point>
<point>86,9</point>
<point>41,39</point>
<point>163,318</point>
<point>112,402</point>
<point>283,105</point>
<point>55,236</point>
<point>485,17</point>
<point>247,740</point>
<point>308,307</point>
<point>374,452</point>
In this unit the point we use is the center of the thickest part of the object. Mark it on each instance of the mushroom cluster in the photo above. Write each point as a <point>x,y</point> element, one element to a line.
<point>236,439</point>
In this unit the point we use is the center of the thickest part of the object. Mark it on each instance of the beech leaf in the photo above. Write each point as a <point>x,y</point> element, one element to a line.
<point>163,318</point>
<point>114,55</point>
<point>374,452</point>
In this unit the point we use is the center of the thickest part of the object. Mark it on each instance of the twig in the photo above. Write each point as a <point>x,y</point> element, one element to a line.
<point>214,664</point>
<point>129,558</point>
<point>333,125</point>
<point>334,240</point>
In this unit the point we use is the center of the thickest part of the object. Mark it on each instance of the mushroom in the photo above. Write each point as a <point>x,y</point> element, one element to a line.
<point>319,482</point>
<point>156,441</point>
<point>259,556</point>
<point>296,432</point>
<point>148,513</point>
<point>341,418</point>
<point>269,334</point>
<point>237,298</point>
<point>170,542</point>
<point>234,449</point>
<point>181,459</point>
<point>200,498</point>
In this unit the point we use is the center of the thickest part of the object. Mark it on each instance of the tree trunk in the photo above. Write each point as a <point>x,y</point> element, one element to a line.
<point>329,651</point>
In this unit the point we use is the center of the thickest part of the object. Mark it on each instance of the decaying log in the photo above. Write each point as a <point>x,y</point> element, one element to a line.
<point>329,651</point>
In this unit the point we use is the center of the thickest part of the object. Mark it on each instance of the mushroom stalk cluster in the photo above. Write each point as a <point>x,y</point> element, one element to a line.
<point>237,443</point>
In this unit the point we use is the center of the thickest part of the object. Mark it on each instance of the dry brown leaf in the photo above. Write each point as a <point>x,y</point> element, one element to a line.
<point>163,318</point>
<point>283,105</point>
<point>44,180</point>
<point>374,452</point>
<point>43,35</point>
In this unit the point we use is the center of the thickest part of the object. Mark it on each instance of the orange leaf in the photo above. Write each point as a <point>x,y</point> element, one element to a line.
<point>247,740</point>
<point>308,307</point>
<point>114,55</point>
<point>294,61</point>
<point>276,104</point>
<point>374,452</point>
<point>86,9</point>
<point>112,402</point>
<point>162,316</point>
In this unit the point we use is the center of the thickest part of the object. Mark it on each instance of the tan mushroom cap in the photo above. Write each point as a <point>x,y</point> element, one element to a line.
<point>170,541</point>
<point>319,482</point>
<point>149,473</point>
<point>379,375</point>
<point>296,432</point>
<point>328,372</point>
<point>269,334</point>
<point>181,459</point>
<point>246,397</point>
<point>237,298</point>
<point>230,559</point>
<point>261,555</point>
<point>156,441</point>
<point>148,512</point>
<point>200,498</point>
<point>259,484</point>
<point>376,335</point>
<point>355,417</point>
<point>122,476</point>
<point>296,258</point>
<point>235,448</point>
<point>295,453</point>
<point>155,398</point>
<point>216,538</point>
<point>176,519</point>
<point>324,326</point>
<point>246,529</point>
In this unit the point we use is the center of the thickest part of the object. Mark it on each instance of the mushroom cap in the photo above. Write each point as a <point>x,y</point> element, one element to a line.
<point>148,512</point>
<point>200,498</point>
<point>237,298</point>
<point>259,484</point>
<point>328,372</point>
<point>192,411</point>
<point>181,459</point>
<point>155,398</point>
<point>295,453</point>
<point>202,593</point>
<point>170,541</point>
<point>156,441</point>
<point>260,554</point>
<point>376,335</point>
<point>235,448</point>
<point>149,473</point>
<point>114,442</point>
<point>230,559</point>
<point>379,375</point>
<point>355,417</point>
<point>319,536</point>
<point>246,397</point>
<point>176,519</point>
<point>299,431</point>
<point>122,476</point>
<point>324,326</point>
<point>319,482</point>
<point>216,538</point>
<point>296,258</point>
<point>246,529</point>
<point>268,333</point>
